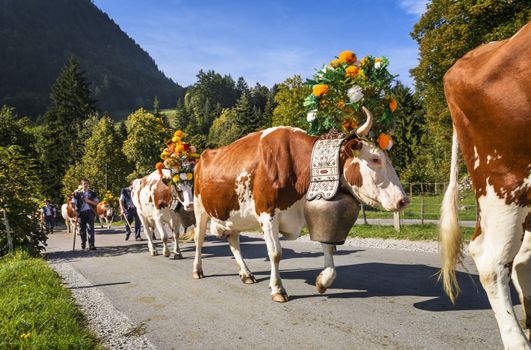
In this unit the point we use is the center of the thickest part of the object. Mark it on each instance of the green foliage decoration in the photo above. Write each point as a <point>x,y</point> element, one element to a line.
<point>340,89</point>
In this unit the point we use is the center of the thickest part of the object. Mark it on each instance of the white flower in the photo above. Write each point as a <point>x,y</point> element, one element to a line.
<point>355,93</point>
<point>378,65</point>
<point>182,176</point>
<point>310,117</point>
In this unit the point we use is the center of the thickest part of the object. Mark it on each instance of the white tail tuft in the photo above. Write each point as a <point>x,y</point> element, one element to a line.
<point>450,237</point>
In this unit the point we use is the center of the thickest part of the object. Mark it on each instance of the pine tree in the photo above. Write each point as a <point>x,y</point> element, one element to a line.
<point>63,137</point>
<point>248,117</point>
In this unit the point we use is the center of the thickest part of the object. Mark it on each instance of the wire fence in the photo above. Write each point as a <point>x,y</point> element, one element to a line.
<point>425,203</point>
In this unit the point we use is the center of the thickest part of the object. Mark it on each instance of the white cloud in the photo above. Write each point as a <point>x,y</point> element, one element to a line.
<point>413,7</point>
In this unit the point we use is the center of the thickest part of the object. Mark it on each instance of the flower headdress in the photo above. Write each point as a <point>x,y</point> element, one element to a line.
<point>180,157</point>
<point>109,198</point>
<point>343,87</point>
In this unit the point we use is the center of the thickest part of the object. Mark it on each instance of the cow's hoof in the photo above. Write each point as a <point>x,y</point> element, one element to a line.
<point>178,256</point>
<point>167,253</point>
<point>197,275</point>
<point>248,279</point>
<point>154,253</point>
<point>320,287</point>
<point>280,297</point>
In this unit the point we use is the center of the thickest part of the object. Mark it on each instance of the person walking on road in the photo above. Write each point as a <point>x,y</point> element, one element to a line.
<point>48,211</point>
<point>128,211</point>
<point>85,202</point>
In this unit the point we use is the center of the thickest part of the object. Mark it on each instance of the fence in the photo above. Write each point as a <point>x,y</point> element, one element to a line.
<point>425,203</point>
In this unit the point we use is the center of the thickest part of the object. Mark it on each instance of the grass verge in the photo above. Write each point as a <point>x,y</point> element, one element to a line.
<point>409,232</point>
<point>36,311</point>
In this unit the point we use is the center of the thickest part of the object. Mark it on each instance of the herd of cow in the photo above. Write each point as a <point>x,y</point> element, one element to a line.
<point>260,181</point>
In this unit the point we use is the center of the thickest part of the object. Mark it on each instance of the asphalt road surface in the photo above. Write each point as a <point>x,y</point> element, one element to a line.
<point>381,298</point>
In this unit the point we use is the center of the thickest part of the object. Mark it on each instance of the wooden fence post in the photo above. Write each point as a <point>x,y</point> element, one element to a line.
<point>396,219</point>
<point>422,210</point>
<point>8,233</point>
<point>363,214</point>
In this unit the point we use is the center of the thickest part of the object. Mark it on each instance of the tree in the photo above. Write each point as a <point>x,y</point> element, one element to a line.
<point>62,139</point>
<point>409,121</point>
<point>225,129</point>
<point>248,117</point>
<point>290,98</point>
<point>445,32</point>
<point>15,131</point>
<point>145,141</point>
<point>20,198</point>
<point>103,162</point>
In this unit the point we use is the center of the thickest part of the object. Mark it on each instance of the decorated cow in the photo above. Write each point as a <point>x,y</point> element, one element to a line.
<point>105,213</point>
<point>282,179</point>
<point>164,199</point>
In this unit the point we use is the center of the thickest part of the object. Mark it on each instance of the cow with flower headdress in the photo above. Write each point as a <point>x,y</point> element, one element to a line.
<point>283,178</point>
<point>164,199</point>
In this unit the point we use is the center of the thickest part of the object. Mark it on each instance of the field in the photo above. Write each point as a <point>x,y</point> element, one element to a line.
<point>409,232</point>
<point>36,311</point>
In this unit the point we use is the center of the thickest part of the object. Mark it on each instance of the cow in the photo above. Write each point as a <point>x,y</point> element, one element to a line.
<point>160,204</point>
<point>105,213</point>
<point>69,215</point>
<point>488,92</point>
<point>260,181</point>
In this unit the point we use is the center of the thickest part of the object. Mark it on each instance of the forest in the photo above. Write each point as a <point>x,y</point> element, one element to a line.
<point>56,131</point>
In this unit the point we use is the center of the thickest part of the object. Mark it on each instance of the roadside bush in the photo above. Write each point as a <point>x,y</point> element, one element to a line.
<point>20,196</point>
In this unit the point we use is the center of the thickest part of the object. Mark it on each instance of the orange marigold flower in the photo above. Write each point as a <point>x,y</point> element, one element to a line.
<point>393,104</point>
<point>341,104</point>
<point>179,134</point>
<point>159,166</point>
<point>320,90</point>
<point>385,141</point>
<point>347,56</point>
<point>364,61</point>
<point>349,124</point>
<point>335,63</point>
<point>377,60</point>
<point>352,71</point>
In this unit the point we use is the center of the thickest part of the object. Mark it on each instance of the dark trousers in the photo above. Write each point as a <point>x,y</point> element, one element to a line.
<point>86,221</point>
<point>131,214</point>
<point>49,223</point>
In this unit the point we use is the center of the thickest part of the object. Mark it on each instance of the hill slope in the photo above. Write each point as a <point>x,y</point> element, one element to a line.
<point>37,37</point>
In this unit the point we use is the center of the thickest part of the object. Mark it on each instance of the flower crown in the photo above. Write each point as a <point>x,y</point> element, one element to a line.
<point>109,198</point>
<point>342,88</point>
<point>180,157</point>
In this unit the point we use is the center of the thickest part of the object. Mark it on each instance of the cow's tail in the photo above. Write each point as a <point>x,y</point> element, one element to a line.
<point>187,236</point>
<point>451,239</point>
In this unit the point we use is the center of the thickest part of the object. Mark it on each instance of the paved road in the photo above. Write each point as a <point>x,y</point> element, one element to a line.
<point>381,299</point>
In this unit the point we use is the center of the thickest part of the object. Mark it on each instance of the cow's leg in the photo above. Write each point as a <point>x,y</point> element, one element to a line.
<point>270,226</point>
<point>522,277</point>
<point>328,275</point>
<point>161,227</point>
<point>494,251</point>
<point>201,218</point>
<point>176,249</point>
<point>246,276</point>
<point>148,229</point>
<point>101,221</point>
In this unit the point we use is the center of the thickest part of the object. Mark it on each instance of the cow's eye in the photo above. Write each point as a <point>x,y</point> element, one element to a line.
<point>375,160</point>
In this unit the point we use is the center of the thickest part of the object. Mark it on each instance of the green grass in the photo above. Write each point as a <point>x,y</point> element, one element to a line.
<point>36,311</point>
<point>432,205</point>
<point>409,232</point>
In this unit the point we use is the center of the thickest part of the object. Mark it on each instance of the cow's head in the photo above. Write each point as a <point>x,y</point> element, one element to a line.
<point>185,194</point>
<point>368,173</point>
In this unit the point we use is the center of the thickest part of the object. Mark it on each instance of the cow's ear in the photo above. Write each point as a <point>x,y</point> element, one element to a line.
<point>352,147</point>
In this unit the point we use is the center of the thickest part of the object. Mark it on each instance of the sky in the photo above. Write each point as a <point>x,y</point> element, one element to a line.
<point>270,40</point>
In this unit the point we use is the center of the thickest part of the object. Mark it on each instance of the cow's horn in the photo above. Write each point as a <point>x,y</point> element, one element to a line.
<point>365,128</point>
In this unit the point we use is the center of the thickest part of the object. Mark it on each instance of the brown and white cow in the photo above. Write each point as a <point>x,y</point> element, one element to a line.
<point>162,205</point>
<point>105,213</point>
<point>69,215</point>
<point>489,96</point>
<point>261,180</point>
